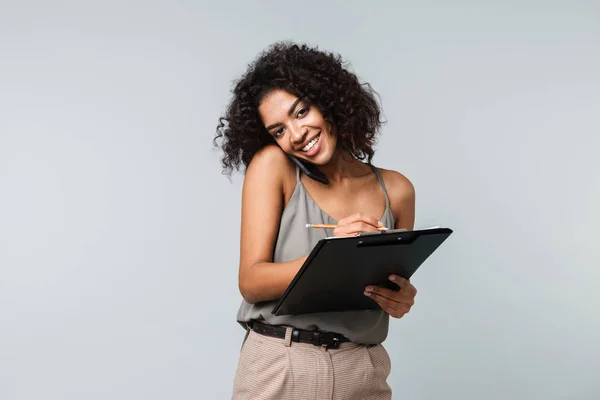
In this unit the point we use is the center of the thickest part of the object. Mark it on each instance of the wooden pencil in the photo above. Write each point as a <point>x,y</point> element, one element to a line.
<point>333,226</point>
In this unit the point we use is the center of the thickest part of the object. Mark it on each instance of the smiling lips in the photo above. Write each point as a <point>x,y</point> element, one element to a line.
<point>310,145</point>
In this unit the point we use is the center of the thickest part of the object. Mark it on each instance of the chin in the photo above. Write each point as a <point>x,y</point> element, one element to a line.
<point>323,160</point>
<point>319,159</point>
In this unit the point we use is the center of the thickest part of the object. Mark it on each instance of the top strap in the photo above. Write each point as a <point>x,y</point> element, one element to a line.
<point>380,178</point>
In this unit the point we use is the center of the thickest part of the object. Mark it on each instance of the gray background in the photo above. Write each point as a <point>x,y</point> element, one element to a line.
<point>119,235</point>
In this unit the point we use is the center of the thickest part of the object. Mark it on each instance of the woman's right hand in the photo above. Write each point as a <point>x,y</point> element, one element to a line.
<point>356,223</point>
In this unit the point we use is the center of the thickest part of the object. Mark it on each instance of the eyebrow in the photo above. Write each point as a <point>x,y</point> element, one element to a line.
<point>291,110</point>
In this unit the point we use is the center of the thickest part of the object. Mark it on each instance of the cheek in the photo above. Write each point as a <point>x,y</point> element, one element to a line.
<point>330,129</point>
<point>331,133</point>
<point>284,144</point>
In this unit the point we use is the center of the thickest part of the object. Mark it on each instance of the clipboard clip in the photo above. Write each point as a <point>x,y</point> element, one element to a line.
<point>368,233</point>
<point>382,232</point>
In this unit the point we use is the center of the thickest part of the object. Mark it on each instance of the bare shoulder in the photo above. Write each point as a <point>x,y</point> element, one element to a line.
<point>270,165</point>
<point>399,186</point>
<point>268,157</point>
<point>402,197</point>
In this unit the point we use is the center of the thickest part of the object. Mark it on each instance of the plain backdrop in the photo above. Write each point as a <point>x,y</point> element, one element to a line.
<point>119,236</point>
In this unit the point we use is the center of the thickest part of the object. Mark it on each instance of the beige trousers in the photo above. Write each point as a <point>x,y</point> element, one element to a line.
<point>279,369</point>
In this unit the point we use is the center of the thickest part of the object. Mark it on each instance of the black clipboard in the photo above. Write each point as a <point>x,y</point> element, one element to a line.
<point>338,269</point>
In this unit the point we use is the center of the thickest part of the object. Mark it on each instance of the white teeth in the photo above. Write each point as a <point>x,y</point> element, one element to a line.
<point>311,144</point>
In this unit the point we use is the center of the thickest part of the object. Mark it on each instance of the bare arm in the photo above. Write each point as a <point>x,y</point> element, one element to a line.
<point>260,279</point>
<point>402,199</point>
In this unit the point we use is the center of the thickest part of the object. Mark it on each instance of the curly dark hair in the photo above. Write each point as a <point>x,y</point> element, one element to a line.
<point>316,76</point>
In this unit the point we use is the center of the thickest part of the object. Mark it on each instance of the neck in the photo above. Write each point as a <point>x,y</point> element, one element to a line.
<point>342,166</point>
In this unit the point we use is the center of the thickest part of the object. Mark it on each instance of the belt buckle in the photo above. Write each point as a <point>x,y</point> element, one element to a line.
<point>329,341</point>
<point>335,343</point>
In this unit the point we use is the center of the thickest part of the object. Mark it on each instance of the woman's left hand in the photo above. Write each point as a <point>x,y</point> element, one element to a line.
<point>394,302</point>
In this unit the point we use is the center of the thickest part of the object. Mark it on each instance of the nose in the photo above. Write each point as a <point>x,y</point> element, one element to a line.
<point>298,134</point>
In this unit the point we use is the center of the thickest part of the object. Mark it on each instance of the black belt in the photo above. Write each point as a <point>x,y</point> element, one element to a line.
<point>329,340</point>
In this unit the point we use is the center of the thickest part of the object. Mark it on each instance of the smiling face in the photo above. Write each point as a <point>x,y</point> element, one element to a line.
<point>298,127</point>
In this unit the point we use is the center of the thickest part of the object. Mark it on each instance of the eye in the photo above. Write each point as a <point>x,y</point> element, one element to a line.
<point>302,112</point>
<point>277,133</point>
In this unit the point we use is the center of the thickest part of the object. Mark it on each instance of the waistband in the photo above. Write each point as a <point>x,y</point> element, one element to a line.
<point>329,340</point>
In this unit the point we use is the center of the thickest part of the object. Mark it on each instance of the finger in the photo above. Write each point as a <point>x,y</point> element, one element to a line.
<point>361,226</point>
<point>383,301</point>
<point>396,310</point>
<point>345,230</point>
<point>404,284</point>
<point>398,313</point>
<point>353,229</point>
<point>394,295</point>
<point>360,217</point>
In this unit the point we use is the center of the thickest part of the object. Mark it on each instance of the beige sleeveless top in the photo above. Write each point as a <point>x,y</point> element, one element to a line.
<point>294,241</point>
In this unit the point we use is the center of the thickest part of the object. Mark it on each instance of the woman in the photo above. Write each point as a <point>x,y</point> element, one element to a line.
<point>297,103</point>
